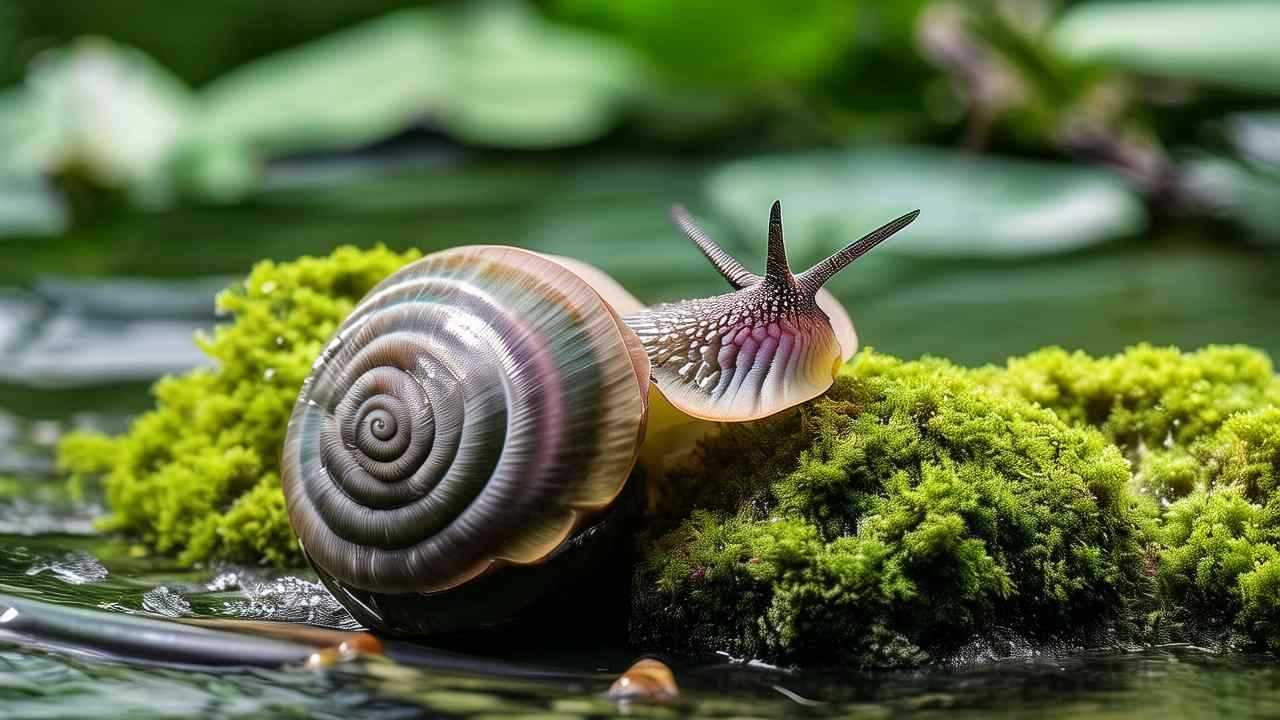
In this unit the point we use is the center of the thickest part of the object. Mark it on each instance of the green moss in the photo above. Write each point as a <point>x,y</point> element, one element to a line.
<point>198,475</point>
<point>924,509</point>
<point>1145,395</point>
<point>920,505</point>
<point>1203,431</point>
<point>1220,568</point>
<point>1211,540</point>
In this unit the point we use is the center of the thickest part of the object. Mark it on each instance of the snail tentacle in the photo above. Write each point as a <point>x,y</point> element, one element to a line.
<point>818,275</point>
<point>727,265</point>
<point>774,343</point>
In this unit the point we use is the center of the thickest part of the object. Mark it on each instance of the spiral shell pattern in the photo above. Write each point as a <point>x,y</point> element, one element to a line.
<point>474,408</point>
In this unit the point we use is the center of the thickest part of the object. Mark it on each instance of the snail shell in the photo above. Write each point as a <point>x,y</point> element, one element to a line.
<point>475,409</point>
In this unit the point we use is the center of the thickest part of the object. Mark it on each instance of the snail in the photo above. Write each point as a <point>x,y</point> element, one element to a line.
<point>467,436</point>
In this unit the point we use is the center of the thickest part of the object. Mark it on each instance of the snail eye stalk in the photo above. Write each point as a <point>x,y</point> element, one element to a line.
<point>766,346</point>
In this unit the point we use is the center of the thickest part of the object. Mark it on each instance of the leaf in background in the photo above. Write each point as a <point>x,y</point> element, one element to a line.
<point>29,138</point>
<point>100,110</point>
<point>1247,195</point>
<point>744,45</point>
<point>347,89</point>
<point>1233,44</point>
<point>1256,135</point>
<point>970,205</point>
<point>119,113</point>
<point>493,75</point>
<point>522,82</point>
<point>28,146</point>
<point>1189,295</point>
<point>28,206</point>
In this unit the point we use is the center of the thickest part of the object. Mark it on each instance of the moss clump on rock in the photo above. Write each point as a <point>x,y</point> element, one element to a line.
<point>198,476</point>
<point>1145,395</point>
<point>1220,569</point>
<point>923,510</point>
<point>957,502</point>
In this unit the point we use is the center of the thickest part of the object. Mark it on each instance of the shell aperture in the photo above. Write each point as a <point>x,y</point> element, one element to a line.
<point>474,409</point>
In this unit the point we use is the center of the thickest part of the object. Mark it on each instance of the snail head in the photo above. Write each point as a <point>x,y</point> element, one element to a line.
<point>774,342</point>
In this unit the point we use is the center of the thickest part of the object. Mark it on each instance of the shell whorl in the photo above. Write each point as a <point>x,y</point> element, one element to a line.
<point>474,408</point>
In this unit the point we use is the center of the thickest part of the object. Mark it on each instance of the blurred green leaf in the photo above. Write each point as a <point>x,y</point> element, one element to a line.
<point>970,205</point>
<point>1233,44</point>
<point>495,74</point>
<point>198,41</point>
<point>98,110</point>
<point>28,206</point>
<point>1256,136</point>
<point>347,89</point>
<point>29,139</point>
<point>519,81</point>
<point>741,45</point>
<point>1186,294</point>
<point>1245,194</point>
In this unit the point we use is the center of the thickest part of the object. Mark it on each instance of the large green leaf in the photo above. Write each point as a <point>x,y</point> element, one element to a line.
<point>346,89</point>
<point>99,110</point>
<point>970,205</point>
<point>1248,195</point>
<point>28,206</point>
<point>1233,44</point>
<point>521,82</point>
<point>1256,136</point>
<point>29,137</point>
<point>492,75</point>
<point>739,45</point>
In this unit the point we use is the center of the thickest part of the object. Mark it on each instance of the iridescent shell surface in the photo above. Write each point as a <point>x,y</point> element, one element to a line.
<point>475,409</point>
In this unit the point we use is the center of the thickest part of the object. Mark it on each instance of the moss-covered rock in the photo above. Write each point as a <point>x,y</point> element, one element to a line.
<point>915,507</point>
<point>922,510</point>
<point>961,498</point>
<point>198,476</point>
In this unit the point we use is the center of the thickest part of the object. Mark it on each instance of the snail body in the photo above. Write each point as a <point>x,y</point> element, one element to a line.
<point>467,435</point>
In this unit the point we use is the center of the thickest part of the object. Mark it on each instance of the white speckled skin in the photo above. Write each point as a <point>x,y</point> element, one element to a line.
<point>773,343</point>
<point>739,356</point>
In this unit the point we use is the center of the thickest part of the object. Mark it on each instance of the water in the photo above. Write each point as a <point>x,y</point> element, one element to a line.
<point>61,677</point>
<point>125,297</point>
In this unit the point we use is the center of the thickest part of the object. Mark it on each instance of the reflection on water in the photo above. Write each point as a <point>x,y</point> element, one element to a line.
<point>38,685</point>
<point>1169,683</point>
